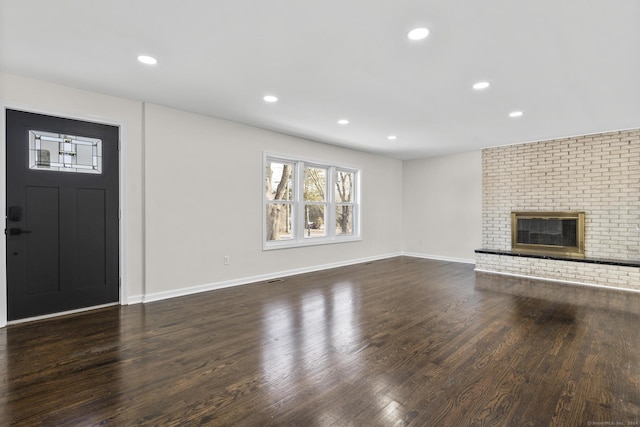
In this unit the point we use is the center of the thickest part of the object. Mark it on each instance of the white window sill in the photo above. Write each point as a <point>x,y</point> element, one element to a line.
<point>317,241</point>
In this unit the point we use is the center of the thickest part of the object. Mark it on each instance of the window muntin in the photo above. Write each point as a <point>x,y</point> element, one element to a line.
<point>308,203</point>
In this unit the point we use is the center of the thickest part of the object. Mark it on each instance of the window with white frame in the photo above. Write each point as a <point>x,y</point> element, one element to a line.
<point>307,203</point>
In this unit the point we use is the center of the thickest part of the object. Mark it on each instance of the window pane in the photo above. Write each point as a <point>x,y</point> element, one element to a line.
<point>64,153</point>
<point>278,185</point>
<point>344,220</point>
<point>344,186</point>
<point>315,184</point>
<point>279,220</point>
<point>314,221</point>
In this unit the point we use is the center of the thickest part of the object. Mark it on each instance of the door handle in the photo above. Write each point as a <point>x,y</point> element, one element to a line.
<point>18,231</point>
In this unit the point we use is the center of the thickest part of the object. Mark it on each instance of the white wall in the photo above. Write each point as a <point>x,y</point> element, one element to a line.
<point>204,201</point>
<point>193,194</point>
<point>442,206</point>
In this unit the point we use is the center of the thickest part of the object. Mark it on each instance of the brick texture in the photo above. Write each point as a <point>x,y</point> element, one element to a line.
<point>598,174</point>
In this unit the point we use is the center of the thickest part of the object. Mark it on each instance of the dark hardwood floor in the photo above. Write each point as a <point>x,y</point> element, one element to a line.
<point>395,342</point>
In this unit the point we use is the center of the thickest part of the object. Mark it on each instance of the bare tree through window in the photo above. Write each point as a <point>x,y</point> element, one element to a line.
<point>279,189</point>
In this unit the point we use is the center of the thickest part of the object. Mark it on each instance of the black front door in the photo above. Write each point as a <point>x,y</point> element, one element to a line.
<point>62,214</point>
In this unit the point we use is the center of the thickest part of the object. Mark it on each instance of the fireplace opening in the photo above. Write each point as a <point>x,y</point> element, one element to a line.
<point>548,232</point>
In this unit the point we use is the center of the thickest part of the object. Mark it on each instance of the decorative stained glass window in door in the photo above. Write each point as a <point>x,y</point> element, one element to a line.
<point>64,153</point>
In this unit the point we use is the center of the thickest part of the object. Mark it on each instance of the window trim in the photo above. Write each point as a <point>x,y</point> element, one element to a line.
<point>298,218</point>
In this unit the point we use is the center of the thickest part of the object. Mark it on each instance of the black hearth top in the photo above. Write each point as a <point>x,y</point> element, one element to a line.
<point>600,261</point>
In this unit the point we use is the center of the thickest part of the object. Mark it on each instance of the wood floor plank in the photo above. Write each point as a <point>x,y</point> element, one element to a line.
<point>395,342</point>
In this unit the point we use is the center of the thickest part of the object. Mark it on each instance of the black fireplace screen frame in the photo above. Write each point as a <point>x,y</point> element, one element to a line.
<point>551,233</point>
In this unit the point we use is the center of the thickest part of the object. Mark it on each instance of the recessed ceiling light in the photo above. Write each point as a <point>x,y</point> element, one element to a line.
<point>418,33</point>
<point>481,85</point>
<point>343,122</point>
<point>514,114</point>
<point>392,137</point>
<point>270,98</point>
<point>149,60</point>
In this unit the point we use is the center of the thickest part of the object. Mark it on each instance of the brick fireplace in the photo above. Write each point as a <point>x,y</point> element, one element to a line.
<point>595,174</point>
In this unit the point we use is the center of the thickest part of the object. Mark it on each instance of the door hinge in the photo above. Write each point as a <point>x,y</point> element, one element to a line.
<point>119,214</point>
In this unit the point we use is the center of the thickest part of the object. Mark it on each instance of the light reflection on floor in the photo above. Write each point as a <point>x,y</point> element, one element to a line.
<point>330,330</point>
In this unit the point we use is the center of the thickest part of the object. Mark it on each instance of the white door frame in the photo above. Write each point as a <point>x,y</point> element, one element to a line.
<point>3,198</point>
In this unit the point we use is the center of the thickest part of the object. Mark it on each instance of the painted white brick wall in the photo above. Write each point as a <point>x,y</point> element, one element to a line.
<point>598,174</point>
<point>593,274</point>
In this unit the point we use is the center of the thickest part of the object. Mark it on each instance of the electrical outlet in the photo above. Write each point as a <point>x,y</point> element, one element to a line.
<point>227,261</point>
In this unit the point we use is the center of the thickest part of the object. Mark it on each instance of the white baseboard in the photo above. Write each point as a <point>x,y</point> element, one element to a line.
<point>135,299</point>
<point>440,258</point>
<point>159,296</point>
<point>546,279</point>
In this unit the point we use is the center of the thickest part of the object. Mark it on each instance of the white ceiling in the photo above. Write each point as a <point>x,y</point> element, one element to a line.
<point>572,66</point>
